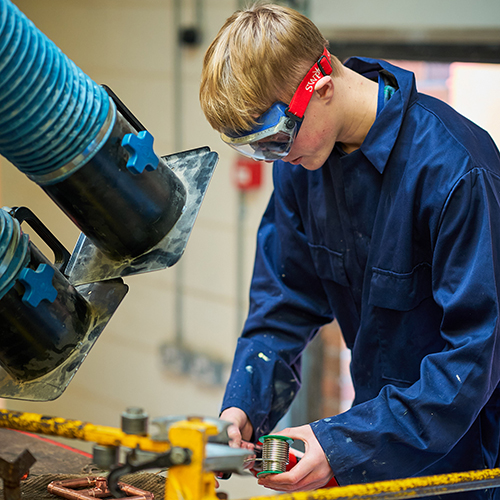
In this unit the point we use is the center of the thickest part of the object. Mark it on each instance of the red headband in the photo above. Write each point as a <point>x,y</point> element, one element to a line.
<point>300,100</point>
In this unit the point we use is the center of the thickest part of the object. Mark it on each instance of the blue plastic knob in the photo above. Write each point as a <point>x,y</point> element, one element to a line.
<point>38,285</point>
<point>142,155</point>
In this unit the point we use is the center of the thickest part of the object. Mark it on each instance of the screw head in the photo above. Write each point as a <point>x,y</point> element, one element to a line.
<point>177,456</point>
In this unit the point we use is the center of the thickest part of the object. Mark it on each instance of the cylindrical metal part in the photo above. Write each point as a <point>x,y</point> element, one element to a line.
<point>36,340</point>
<point>36,336</point>
<point>105,456</point>
<point>135,421</point>
<point>74,489</point>
<point>122,213</point>
<point>275,451</point>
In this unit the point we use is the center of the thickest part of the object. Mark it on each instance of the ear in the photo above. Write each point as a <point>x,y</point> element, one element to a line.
<point>324,88</point>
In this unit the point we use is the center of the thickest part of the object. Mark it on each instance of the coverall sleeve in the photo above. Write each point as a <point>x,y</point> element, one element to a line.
<point>403,431</point>
<point>287,306</point>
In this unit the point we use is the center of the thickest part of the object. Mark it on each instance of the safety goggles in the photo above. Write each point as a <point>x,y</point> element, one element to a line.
<point>276,129</point>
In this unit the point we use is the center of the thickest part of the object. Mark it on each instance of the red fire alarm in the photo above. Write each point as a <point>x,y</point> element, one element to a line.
<point>247,173</point>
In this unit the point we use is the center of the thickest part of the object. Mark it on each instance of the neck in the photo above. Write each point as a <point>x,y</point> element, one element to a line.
<point>358,97</point>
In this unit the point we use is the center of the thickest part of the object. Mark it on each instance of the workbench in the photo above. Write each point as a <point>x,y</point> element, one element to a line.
<point>51,457</point>
<point>56,462</point>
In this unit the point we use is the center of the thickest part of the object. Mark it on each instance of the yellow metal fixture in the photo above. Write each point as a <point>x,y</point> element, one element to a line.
<point>192,481</point>
<point>76,429</point>
<point>194,478</point>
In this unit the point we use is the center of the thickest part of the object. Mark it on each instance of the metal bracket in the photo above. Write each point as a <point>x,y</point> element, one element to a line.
<point>13,472</point>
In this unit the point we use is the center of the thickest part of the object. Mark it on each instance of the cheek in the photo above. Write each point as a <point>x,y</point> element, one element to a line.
<point>312,139</point>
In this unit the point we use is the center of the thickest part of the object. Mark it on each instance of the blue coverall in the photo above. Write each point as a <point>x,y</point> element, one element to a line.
<point>400,242</point>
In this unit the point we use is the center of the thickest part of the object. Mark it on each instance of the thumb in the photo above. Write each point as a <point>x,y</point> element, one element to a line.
<point>301,433</point>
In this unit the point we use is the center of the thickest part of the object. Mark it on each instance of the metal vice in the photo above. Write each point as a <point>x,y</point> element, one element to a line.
<point>198,448</point>
<point>191,480</point>
<point>191,448</point>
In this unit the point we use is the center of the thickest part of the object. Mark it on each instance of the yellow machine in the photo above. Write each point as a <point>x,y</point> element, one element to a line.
<point>193,448</point>
<point>182,446</point>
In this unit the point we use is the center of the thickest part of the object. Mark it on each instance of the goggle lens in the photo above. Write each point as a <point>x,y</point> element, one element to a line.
<point>270,148</point>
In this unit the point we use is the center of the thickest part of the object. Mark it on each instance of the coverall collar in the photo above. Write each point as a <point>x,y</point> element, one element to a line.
<point>388,123</point>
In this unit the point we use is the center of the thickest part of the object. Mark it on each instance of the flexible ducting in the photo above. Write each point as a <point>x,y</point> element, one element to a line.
<point>50,111</point>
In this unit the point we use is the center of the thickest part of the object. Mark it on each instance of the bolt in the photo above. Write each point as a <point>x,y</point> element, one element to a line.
<point>177,456</point>
<point>135,421</point>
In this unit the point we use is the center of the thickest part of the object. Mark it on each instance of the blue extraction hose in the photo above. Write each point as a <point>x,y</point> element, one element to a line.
<point>50,111</point>
<point>14,253</point>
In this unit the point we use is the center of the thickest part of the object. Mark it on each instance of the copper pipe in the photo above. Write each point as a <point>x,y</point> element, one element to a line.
<point>98,489</point>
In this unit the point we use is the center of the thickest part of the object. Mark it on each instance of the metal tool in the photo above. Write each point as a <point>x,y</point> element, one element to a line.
<point>173,457</point>
<point>183,445</point>
<point>12,473</point>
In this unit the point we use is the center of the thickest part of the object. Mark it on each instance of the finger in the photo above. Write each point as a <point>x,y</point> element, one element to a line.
<point>247,445</point>
<point>285,482</point>
<point>290,478</point>
<point>301,433</point>
<point>234,435</point>
<point>309,482</point>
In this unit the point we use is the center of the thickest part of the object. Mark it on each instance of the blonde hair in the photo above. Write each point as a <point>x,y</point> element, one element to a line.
<point>258,57</point>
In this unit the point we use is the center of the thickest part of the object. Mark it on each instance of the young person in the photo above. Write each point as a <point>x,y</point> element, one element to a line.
<point>385,215</point>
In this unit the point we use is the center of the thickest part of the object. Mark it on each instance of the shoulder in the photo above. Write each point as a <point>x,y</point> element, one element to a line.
<point>454,136</point>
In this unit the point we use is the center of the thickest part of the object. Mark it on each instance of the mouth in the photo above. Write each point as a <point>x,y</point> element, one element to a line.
<point>296,161</point>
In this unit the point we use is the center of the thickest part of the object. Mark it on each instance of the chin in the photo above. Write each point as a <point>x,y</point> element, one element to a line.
<point>312,166</point>
<point>315,162</point>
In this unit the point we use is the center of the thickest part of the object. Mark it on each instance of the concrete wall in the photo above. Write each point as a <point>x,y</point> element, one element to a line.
<point>461,20</point>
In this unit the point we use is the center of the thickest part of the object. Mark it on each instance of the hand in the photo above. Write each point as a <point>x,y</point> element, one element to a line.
<point>241,426</point>
<point>240,430</point>
<point>312,471</point>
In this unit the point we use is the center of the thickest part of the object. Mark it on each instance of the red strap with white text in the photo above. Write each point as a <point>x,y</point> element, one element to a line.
<point>304,92</point>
